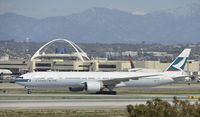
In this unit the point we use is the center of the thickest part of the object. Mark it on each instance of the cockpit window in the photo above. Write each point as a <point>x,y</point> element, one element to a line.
<point>19,77</point>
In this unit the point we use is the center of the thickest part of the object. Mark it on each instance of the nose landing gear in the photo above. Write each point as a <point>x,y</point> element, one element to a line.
<point>28,90</point>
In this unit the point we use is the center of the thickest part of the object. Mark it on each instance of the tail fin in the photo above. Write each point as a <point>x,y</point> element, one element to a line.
<point>179,63</point>
<point>131,62</point>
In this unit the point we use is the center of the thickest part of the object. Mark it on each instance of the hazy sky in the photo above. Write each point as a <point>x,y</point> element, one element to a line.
<point>45,8</point>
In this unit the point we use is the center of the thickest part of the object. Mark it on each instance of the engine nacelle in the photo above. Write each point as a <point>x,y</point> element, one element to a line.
<point>93,86</point>
<point>76,88</point>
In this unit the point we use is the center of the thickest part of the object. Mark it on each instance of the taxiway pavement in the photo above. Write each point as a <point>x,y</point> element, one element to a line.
<point>70,101</point>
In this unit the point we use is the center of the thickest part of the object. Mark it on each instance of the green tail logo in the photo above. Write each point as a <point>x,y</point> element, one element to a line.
<point>179,63</point>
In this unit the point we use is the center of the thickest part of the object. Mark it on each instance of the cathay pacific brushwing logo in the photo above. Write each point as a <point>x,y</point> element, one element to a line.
<point>178,64</point>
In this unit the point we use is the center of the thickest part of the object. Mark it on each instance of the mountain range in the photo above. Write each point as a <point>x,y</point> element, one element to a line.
<point>103,25</point>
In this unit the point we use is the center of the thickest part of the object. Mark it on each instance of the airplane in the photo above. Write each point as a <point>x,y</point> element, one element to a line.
<point>5,72</point>
<point>104,82</point>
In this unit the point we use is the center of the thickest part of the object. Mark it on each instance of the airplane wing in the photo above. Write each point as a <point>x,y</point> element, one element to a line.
<point>135,69</point>
<point>118,80</point>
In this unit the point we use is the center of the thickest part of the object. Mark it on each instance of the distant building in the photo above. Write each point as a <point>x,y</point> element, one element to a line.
<point>131,53</point>
<point>121,54</point>
<point>4,58</point>
<point>157,53</point>
<point>112,54</point>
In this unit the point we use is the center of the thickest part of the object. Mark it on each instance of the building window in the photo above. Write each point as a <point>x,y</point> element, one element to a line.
<point>43,65</point>
<point>107,66</point>
<point>63,65</point>
<point>83,65</point>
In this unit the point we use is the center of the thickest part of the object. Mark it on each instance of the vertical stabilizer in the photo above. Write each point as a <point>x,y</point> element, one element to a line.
<point>131,62</point>
<point>179,63</point>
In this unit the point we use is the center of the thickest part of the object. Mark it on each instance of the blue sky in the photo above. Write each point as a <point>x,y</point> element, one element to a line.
<point>46,8</point>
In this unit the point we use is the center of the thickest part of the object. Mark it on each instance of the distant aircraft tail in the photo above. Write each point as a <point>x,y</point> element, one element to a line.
<point>179,63</point>
<point>131,61</point>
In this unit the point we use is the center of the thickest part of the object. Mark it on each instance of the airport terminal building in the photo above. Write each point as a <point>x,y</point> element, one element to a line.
<point>72,58</point>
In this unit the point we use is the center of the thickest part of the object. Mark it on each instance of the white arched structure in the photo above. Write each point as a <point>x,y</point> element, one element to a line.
<point>79,52</point>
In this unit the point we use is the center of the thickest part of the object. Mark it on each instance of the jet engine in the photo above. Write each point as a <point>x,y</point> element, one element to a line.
<point>93,86</point>
<point>76,88</point>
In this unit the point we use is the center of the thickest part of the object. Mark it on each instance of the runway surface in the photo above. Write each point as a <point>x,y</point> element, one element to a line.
<point>16,98</point>
<point>63,101</point>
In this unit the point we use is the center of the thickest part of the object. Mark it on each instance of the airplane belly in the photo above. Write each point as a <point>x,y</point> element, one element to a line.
<point>142,82</point>
<point>147,82</point>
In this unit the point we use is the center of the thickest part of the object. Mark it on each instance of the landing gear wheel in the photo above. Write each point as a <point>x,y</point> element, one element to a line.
<point>107,92</point>
<point>29,91</point>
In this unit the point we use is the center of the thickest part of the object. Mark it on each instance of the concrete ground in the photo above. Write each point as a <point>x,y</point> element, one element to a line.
<point>16,97</point>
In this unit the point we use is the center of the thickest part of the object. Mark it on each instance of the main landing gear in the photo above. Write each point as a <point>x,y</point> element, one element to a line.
<point>107,92</point>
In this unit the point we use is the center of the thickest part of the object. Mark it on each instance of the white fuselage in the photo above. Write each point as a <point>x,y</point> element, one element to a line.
<point>5,72</point>
<point>77,79</point>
